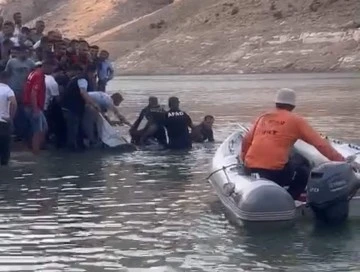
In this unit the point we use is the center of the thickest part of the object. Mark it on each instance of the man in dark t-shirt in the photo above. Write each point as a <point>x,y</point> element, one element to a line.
<point>203,132</point>
<point>154,114</point>
<point>73,105</point>
<point>177,124</point>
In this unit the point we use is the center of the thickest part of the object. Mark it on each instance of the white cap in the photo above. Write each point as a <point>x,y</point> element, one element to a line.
<point>286,96</point>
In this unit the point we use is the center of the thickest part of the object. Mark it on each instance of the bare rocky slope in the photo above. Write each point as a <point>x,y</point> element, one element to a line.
<point>210,36</point>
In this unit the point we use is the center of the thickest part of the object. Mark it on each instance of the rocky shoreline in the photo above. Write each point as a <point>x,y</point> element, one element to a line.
<point>258,72</point>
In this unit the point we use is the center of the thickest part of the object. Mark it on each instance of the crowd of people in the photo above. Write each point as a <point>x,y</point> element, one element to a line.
<point>53,90</point>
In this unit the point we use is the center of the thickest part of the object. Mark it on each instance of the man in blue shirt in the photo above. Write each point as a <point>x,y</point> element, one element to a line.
<point>105,70</point>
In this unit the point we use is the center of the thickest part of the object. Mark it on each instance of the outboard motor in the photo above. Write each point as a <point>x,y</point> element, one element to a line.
<point>329,188</point>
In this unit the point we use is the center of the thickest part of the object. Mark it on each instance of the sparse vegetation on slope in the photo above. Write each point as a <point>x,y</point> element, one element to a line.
<point>210,36</point>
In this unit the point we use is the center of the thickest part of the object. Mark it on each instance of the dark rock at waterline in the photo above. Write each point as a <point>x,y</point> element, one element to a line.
<point>235,10</point>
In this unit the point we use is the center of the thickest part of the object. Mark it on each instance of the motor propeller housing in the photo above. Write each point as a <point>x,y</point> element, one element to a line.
<point>329,189</point>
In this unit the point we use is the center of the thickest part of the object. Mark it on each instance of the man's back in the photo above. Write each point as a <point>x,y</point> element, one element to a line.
<point>35,82</point>
<point>154,114</point>
<point>72,99</point>
<point>269,143</point>
<point>177,124</point>
<point>274,135</point>
<point>103,100</point>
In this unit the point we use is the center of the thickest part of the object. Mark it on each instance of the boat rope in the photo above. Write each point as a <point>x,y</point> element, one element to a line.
<point>222,169</point>
<point>227,177</point>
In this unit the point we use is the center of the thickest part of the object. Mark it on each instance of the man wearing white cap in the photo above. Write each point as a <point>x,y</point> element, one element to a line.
<point>266,147</point>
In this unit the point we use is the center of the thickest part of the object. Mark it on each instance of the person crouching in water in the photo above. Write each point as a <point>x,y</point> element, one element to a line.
<point>92,119</point>
<point>204,132</point>
<point>266,147</point>
<point>8,107</point>
<point>34,102</point>
<point>154,114</point>
<point>177,124</point>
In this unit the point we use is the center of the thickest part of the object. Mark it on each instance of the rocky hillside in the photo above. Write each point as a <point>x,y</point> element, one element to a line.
<point>210,36</point>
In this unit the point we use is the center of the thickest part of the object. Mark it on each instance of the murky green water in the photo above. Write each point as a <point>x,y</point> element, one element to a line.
<point>154,211</point>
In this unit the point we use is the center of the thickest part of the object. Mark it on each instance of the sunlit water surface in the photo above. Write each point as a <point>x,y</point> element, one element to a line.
<point>154,211</point>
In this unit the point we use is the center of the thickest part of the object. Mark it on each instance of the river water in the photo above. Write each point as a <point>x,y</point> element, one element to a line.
<point>154,211</point>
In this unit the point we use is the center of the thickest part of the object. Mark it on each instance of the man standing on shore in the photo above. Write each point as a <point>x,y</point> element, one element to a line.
<point>39,31</point>
<point>105,71</point>
<point>17,23</point>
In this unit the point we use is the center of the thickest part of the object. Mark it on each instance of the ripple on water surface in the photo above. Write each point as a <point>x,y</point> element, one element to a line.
<point>154,211</point>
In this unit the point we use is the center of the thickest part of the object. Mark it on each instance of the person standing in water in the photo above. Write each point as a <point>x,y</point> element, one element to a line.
<point>7,113</point>
<point>154,114</point>
<point>266,147</point>
<point>34,102</point>
<point>19,69</point>
<point>73,105</point>
<point>177,124</point>
<point>92,120</point>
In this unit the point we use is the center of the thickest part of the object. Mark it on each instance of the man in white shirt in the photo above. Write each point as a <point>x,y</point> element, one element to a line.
<point>52,90</point>
<point>8,33</point>
<point>52,108</point>
<point>8,107</point>
<point>105,102</point>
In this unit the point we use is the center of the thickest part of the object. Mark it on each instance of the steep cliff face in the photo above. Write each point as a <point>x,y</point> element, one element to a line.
<point>210,36</point>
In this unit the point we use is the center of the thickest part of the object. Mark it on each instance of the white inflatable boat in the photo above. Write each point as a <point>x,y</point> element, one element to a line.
<point>254,199</point>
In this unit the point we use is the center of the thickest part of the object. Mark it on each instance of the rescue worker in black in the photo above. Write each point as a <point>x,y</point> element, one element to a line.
<point>177,124</point>
<point>154,114</point>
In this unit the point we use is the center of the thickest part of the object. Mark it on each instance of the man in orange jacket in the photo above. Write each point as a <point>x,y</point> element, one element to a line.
<point>266,147</point>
